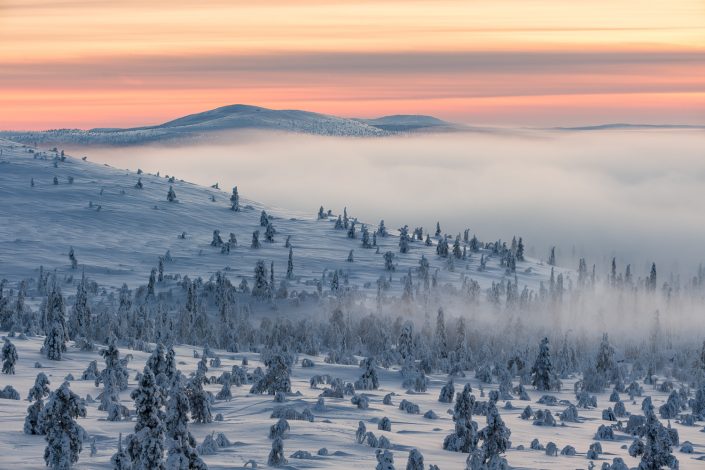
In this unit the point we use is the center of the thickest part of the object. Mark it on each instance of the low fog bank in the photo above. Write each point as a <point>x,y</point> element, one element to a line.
<point>636,195</point>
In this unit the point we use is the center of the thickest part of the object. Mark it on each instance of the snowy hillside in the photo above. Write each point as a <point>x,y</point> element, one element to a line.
<point>118,232</point>
<point>235,117</point>
<point>209,332</point>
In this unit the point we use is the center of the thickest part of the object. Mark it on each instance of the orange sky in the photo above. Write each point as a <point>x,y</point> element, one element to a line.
<point>91,63</point>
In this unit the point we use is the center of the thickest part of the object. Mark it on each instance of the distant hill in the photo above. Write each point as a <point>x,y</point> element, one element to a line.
<point>235,117</point>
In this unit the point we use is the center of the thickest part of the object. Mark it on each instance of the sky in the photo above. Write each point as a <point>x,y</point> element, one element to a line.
<point>96,63</point>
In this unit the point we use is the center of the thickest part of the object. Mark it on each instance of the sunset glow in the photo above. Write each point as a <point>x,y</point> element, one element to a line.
<point>81,63</point>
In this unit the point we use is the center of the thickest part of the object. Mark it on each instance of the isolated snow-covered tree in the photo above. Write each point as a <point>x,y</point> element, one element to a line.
<point>138,184</point>
<point>80,318</point>
<point>447,392</point>
<point>263,219</point>
<point>276,379</point>
<point>55,325</point>
<point>269,232</point>
<point>495,436</point>
<point>255,239</point>
<point>465,436</point>
<point>290,264</point>
<point>655,448</point>
<point>438,229</point>
<point>217,241</point>
<point>365,237</point>
<point>369,379</point>
<point>276,455</point>
<point>39,390</point>
<point>199,400</point>
<point>9,357</point>
<point>171,195</point>
<point>235,200</point>
<point>415,461</point>
<point>146,445</point>
<point>72,258</point>
<point>389,261</point>
<point>181,444</point>
<point>605,363</point>
<point>63,434</point>
<point>520,250</point>
<point>543,376</point>
<point>261,288</point>
<point>385,460</point>
<point>552,256</point>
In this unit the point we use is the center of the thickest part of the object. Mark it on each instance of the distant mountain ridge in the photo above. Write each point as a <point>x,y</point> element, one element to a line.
<point>239,116</point>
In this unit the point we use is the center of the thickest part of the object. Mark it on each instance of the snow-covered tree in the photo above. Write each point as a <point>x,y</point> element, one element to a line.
<point>181,444</point>
<point>80,318</point>
<point>39,390</point>
<point>120,460</point>
<point>72,258</point>
<point>385,460</point>
<point>495,436</point>
<point>63,434</point>
<point>261,288</point>
<point>605,363</point>
<point>276,379</point>
<point>290,264</point>
<point>55,325</point>
<point>465,436</point>
<point>171,195</point>
<point>276,455</point>
<point>198,399</point>
<point>543,376</point>
<point>368,380</point>
<point>255,240</point>
<point>9,357</point>
<point>655,448</point>
<point>235,200</point>
<point>415,461</point>
<point>146,445</point>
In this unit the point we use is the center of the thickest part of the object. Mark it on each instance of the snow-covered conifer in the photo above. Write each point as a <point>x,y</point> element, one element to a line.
<point>368,380</point>
<point>255,239</point>
<point>72,258</point>
<point>146,445</point>
<point>276,455</point>
<point>543,377</point>
<point>655,448</point>
<point>261,288</point>
<point>465,436</point>
<point>63,434</point>
<point>9,357</point>
<point>171,195</point>
<point>181,444</point>
<point>290,264</point>
<point>235,200</point>
<point>39,390</point>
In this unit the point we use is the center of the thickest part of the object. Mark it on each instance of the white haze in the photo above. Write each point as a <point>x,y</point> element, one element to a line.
<point>636,195</point>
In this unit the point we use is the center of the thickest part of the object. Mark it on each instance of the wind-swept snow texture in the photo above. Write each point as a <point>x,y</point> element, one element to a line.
<point>118,232</point>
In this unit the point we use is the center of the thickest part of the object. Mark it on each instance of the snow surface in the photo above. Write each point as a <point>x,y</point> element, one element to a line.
<point>123,240</point>
<point>246,419</point>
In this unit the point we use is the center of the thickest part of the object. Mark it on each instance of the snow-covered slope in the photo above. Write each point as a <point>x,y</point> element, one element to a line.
<point>118,232</point>
<point>234,117</point>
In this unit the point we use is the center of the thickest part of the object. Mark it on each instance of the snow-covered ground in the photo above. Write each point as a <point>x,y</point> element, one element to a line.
<point>118,232</point>
<point>247,417</point>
